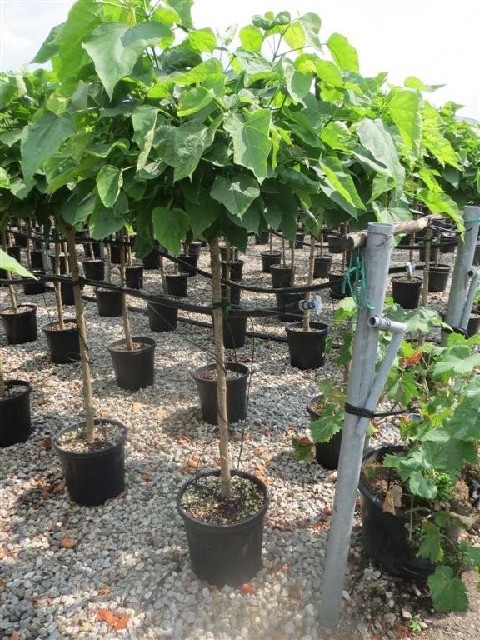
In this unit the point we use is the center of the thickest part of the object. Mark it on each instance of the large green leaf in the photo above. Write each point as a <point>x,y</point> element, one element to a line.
<point>144,120</point>
<point>193,100</point>
<point>203,40</point>
<point>378,141</point>
<point>343,53</point>
<point>184,10</point>
<point>448,591</point>
<point>10,264</point>
<point>77,209</point>
<point>170,227</point>
<point>433,138</point>
<point>115,48</point>
<point>42,138</point>
<point>251,38</point>
<point>236,193</point>
<point>341,181</point>
<point>104,222</point>
<point>405,109</point>
<point>251,141</point>
<point>109,183</point>
<point>295,35</point>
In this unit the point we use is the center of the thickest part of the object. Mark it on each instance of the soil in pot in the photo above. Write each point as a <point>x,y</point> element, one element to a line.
<point>21,325</point>
<point>281,276</point>
<point>406,292</point>
<point>34,287</point>
<point>161,316</point>
<point>235,271</point>
<point>15,419</point>
<point>94,269</point>
<point>188,263</point>
<point>177,284</point>
<point>385,535</point>
<point>321,266</point>
<point>307,348</point>
<point>134,369</point>
<point>109,303</point>
<point>270,258</point>
<point>224,537</point>
<point>94,472</point>
<point>63,344</point>
<point>234,329</point>
<point>438,279</point>
<point>237,378</point>
<point>134,276</point>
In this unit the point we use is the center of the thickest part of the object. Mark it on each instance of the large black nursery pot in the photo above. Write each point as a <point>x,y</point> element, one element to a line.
<point>15,419</point>
<point>433,253</point>
<point>62,264</point>
<point>473,325</point>
<point>63,344</point>
<point>300,237</point>
<point>21,239</point>
<point>33,287</point>
<point>287,305</point>
<point>134,369</point>
<point>321,266</point>
<point>94,269</point>
<point>406,292</point>
<point>262,237</point>
<point>116,252</point>
<point>152,260</point>
<point>385,535</point>
<point>20,326</point>
<point>177,284</point>
<point>438,278</point>
<point>335,243</point>
<point>326,453</point>
<point>96,475</point>
<point>161,316</point>
<point>338,290</point>
<point>281,276</point>
<point>95,252</point>
<point>270,258</point>
<point>233,253</point>
<point>109,303</point>
<point>235,293</point>
<point>36,260</point>
<point>15,252</point>
<point>236,268</point>
<point>66,291</point>
<point>307,348</point>
<point>195,248</point>
<point>234,329</point>
<point>188,264</point>
<point>134,276</point>
<point>225,554</point>
<point>206,380</point>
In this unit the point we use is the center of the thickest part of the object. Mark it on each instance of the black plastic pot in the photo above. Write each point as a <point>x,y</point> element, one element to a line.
<point>20,327</point>
<point>63,344</point>
<point>236,392</point>
<point>281,276</point>
<point>194,248</point>
<point>134,370</point>
<point>62,262</point>
<point>406,292</point>
<point>433,253</point>
<point>235,293</point>
<point>385,535</point>
<point>335,243</point>
<point>473,325</point>
<point>262,237</point>
<point>36,260</point>
<point>270,258</point>
<point>33,287</point>
<point>476,256</point>
<point>321,266</point>
<point>66,290</point>
<point>94,270</point>
<point>225,553</point>
<point>235,271</point>
<point>234,330</point>
<point>307,348</point>
<point>21,239</point>
<point>15,419</point>
<point>152,260</point>
<point>337,289</point>
<point>287,305</point>
<point>187,263</point>
<point>300,237</point>
<point>116,253</point>
<point>438,279</point>
<point>161,317</point>
<point>177,284</point>
<point>134,276</point>
<point>326,453</point>
<point>92,477</point>
<point>448,243</point>
<point>109,303</point>
<point>233,253</point>
<point>96,248</point>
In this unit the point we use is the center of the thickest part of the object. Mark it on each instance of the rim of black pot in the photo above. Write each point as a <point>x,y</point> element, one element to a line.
<point>317,326</point>
<point>405,280</point>
<point>439,267</point>
<point>49,327</point>
<point>31,307</point>
<point>223,526</point>
<point>16,383</point>
<point>239,367</point>
<point>273,253</point>
<point>117,292</point>
<point>97,422</point>
<point>148,343</point>
<point>384,449</point>
<point>311,402</point>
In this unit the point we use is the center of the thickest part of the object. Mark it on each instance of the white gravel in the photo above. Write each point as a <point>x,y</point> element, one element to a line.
<point>129,556</point>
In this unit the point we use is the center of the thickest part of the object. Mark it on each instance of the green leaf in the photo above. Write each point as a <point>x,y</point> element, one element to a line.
<point>236,194</point>
<point>104,222</point>
<point>193,100</point>
<point>328,72</point>
<point>341,181</point>
<point>170,226</point>
<point>379,142</point>
<point>144,120</point>
<point>337,136</point>
<point>77,209</point>
<point>343,53</point>
<point>115,48</point>
<point>203,40</point>
<point>295,36</point>
<point>431,546</point>
<point>448,591</point>
<point>109,183</point>
<point>251,38</point>
<point>4,179</point>
<point>251,142</point>
<point>433,138</point>
<point>184,10</point>
<point>10,264</point>
<point>330,423</point>
<point>423,486</point>
<point>298,84</point>
<point>42,138</point>
<point>312,23</point>
<point>404,108</point>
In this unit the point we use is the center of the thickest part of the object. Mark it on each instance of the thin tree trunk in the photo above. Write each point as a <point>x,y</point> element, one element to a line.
<point>29,244</point>
<point>161,267</point>
<point>11,288</point>
<point>108,254</point>
<point>217,313</point>
<point>125,318</point>
<point>271,241</point>
<point>3,389</point>
<point>57,287</point>
<point>308,295</point>
<point>82,330</point>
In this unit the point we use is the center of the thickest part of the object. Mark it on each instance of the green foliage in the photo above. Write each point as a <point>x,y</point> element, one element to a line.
<point>448,590</point>
<point>10,264</point>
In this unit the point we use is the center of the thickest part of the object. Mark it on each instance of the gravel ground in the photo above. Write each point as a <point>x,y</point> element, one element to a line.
<point>122,569</point>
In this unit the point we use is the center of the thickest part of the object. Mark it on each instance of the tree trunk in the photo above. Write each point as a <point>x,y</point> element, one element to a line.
<point>82,330</point>
<point>2,379</point>
<point>57,287</point>
<point>308,295</point>
<point>217,313</point>
<point>11,288</point>
<point>125,318</point>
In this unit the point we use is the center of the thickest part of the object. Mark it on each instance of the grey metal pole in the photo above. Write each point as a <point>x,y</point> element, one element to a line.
<point>364,356</point>
<point>462,271</point>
